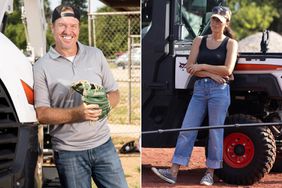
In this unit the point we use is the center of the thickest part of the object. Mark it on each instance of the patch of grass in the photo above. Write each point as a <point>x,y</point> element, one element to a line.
<point>127,175</point>
<point>120,140</point>
<point>113,65</point>
<point>138,169</point>
<point>119,115</point>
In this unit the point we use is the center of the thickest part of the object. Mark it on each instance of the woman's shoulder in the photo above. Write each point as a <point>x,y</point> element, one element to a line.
<point>198,39</point>
<point>232,41</point>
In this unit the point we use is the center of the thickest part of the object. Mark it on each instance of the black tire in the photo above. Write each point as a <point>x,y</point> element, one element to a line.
<point>277,166</point>
<point>253,147</point>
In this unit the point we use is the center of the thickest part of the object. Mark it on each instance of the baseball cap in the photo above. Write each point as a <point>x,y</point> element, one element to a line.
<point>222,13</point>
<point>62,11</point>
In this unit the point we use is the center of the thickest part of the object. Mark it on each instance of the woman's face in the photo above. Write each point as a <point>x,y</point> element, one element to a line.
<point>217,26</point>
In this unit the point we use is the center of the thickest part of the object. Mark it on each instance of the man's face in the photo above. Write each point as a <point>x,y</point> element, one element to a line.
<point>66,32</point>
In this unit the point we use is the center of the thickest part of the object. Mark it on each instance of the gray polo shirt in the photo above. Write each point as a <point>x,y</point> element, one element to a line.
<point>53,76</point>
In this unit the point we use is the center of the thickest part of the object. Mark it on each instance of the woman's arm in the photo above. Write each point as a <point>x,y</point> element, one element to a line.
<point>215,77</point>
<point>194,52</point>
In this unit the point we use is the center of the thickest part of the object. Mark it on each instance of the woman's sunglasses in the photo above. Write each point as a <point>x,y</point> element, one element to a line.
<point>221,11</point>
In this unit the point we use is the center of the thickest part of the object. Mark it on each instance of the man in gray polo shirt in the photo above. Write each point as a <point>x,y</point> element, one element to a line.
<point>83,149</point>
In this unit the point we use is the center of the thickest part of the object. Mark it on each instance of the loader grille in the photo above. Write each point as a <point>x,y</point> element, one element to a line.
<point>8,130</point>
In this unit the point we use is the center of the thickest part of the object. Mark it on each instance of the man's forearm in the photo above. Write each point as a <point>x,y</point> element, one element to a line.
<point>47,115</point>
<point>114,98</point>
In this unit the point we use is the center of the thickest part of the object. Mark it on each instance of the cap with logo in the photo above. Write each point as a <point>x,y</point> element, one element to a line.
<point>222,13</point>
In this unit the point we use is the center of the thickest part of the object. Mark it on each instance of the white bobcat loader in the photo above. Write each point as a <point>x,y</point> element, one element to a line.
<point>19,144</point>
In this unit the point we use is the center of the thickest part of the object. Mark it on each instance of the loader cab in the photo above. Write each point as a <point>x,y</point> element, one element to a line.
<point>189,18</point>
<point>168,30</point>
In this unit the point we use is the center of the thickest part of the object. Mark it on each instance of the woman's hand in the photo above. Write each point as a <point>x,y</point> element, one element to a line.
<point>219,79</point>
<point>192,69</point>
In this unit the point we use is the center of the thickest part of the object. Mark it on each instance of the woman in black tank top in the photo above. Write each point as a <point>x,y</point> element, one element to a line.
<point>212,60</point>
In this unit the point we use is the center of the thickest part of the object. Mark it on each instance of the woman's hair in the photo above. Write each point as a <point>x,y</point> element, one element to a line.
<point>228,32</point>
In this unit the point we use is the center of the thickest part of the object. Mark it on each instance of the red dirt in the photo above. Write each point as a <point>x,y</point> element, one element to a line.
<point>189,176</point>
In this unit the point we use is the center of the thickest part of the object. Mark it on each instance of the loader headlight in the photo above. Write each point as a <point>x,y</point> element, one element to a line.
<point>28,92</point>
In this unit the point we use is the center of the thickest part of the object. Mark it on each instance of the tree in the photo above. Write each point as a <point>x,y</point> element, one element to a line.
<point>277,22</point>
<point>112,32</point>
<point>252,16</point>
<point>81,4</point>
<point>15,28</point>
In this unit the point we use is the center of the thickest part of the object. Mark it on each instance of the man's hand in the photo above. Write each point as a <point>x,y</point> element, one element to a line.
<point>90,112</point>
<point>94,94</point>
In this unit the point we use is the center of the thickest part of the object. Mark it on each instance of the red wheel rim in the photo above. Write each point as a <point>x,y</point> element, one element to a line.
<point>238,150</point>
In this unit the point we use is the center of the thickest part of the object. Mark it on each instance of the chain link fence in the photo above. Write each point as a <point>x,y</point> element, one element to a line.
<point>117,34</point>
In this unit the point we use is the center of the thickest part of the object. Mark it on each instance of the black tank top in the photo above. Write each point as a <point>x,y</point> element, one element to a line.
<point>212,56</point>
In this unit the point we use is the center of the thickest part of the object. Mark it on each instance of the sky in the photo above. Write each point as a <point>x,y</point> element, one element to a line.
<point>95,4</point>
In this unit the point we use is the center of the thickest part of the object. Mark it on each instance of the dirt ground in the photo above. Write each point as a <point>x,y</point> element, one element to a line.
<point>131,166</point>
<point>130,162</point>
<point>190,176</point>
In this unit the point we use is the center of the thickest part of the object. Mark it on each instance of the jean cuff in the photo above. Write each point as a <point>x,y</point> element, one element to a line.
<point>180,160</point>
<point>214,164</point>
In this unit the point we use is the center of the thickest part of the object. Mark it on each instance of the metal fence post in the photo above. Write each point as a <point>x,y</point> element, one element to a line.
<point>129,68</point>
<point>90,30</point>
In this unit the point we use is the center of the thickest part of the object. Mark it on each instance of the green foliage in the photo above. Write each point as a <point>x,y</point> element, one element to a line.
<point>112,28</point>
<point>16,34</point>
<point>250,17</point>
<point>15,29</point>
<point>83,34</point>
<point>112,32</point>
<point>81,4</point>
<point>49,37</point>
<point>48,13</point>
<point>47,10</point>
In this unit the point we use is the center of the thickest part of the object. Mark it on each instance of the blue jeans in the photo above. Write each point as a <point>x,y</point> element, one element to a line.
<point>75,168</point>
<point>211,97</point>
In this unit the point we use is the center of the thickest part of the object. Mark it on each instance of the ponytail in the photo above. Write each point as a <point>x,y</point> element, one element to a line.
<point>228,32</point>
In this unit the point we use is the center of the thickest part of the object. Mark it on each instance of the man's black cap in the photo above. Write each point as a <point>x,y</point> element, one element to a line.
<point>57,13</point>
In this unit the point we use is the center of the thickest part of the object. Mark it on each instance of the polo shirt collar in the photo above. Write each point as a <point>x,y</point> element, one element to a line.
<point>54,54</point>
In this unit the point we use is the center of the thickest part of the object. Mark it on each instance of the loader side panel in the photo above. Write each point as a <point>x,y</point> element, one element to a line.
<point>18,146</point>
<point>257,82</point>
